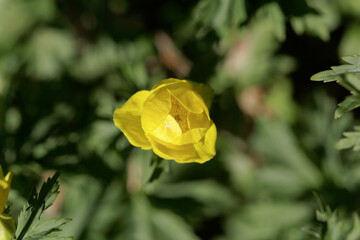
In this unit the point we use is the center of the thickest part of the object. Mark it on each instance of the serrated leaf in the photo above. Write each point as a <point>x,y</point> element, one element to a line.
<point>326,76</point>
<point>43,228</point>
<point>29,225</point>
<point>354,59</point>
<point>350,103</point>
<point>345,69</point>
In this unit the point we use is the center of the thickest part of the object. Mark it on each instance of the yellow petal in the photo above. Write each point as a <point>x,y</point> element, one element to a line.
<point>156,110</point>
<point>206,148</point>
<point>4,192</point>
<point>205,92</point>
<point>128,119</point>
<point>188,99</point>
<point>7,227</point>
<point>196,120</point>
<point>167,82</point>
<point>168,131</point>
<point>8,177</point>
<point>179,153</point>
<point>190,137</point>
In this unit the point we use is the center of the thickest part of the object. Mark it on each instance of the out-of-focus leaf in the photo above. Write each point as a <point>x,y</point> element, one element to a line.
<point>280,100</point>
<point>99,137</point>
<point>12,120</point>
<point>215,197</point>
<point>348,44</point>
<point>96,60</point>
<point>48,52</point>
<point>16,17</point>
<point>274,14</point>
<point>170,226</point>
<point>349,7</point>
<point>319,23</point>
<point>257,221</point>
<point>242,169</point>
<point>218,15</point>
<point>352,139</point>
<point>75,207</point>
<point>277,143</point>
<point>337,225</point>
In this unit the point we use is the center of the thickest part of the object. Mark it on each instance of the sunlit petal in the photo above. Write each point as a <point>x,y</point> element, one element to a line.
<point>156,109</point>
<point>7,227</point>
<point>168,131</point>
<point>179,153</point>
<point>4,190</point>
<point>198,120</point>
<point>206,148</point>
<point>190,137</point>
<point>128,119</point>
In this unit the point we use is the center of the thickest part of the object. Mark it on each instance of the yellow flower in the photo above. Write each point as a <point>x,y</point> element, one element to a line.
<point>7,225</point>
<point>172,119</point>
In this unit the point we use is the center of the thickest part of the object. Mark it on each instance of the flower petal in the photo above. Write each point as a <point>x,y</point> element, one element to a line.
<point>156,110</point>
<point>190,137</point>
<point>205,92</point>
<point>206,148</point>
<point>128,119</point>
<point>7,227</point>
<point>196,120</point>
<point>4,192</point>
<point>168,131</point>
<point>188,99</point>
<point>167,82</point>
<point>179,153</point>
<point>8,177</point>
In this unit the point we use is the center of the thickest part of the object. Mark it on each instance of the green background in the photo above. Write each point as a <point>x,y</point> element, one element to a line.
<point>65,66</point>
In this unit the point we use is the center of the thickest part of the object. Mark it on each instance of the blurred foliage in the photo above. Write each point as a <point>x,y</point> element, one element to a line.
<point>66,65</point>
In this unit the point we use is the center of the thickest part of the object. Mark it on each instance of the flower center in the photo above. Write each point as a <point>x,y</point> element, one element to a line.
<point>179,113</point>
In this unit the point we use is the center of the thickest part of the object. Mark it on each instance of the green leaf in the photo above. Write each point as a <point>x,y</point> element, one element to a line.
<point>337,226</point>
<point>171,227</point>
<point>30,227</point>
<point>351,139</point>
<point>355,232</point>
<point>326,76</point>
<point>215,197</point>
<point>354,59</point>
<point>43,228</point>
<point>350,103</point>
<point>345,69</point>
<point>48,52</point>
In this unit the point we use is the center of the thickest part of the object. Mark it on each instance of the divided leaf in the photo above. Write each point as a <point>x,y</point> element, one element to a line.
<point>30,225</point>
<point>348,76</point>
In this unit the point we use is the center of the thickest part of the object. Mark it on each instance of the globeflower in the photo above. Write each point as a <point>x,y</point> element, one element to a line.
<point>7,226</point>
<point>172,119</point>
